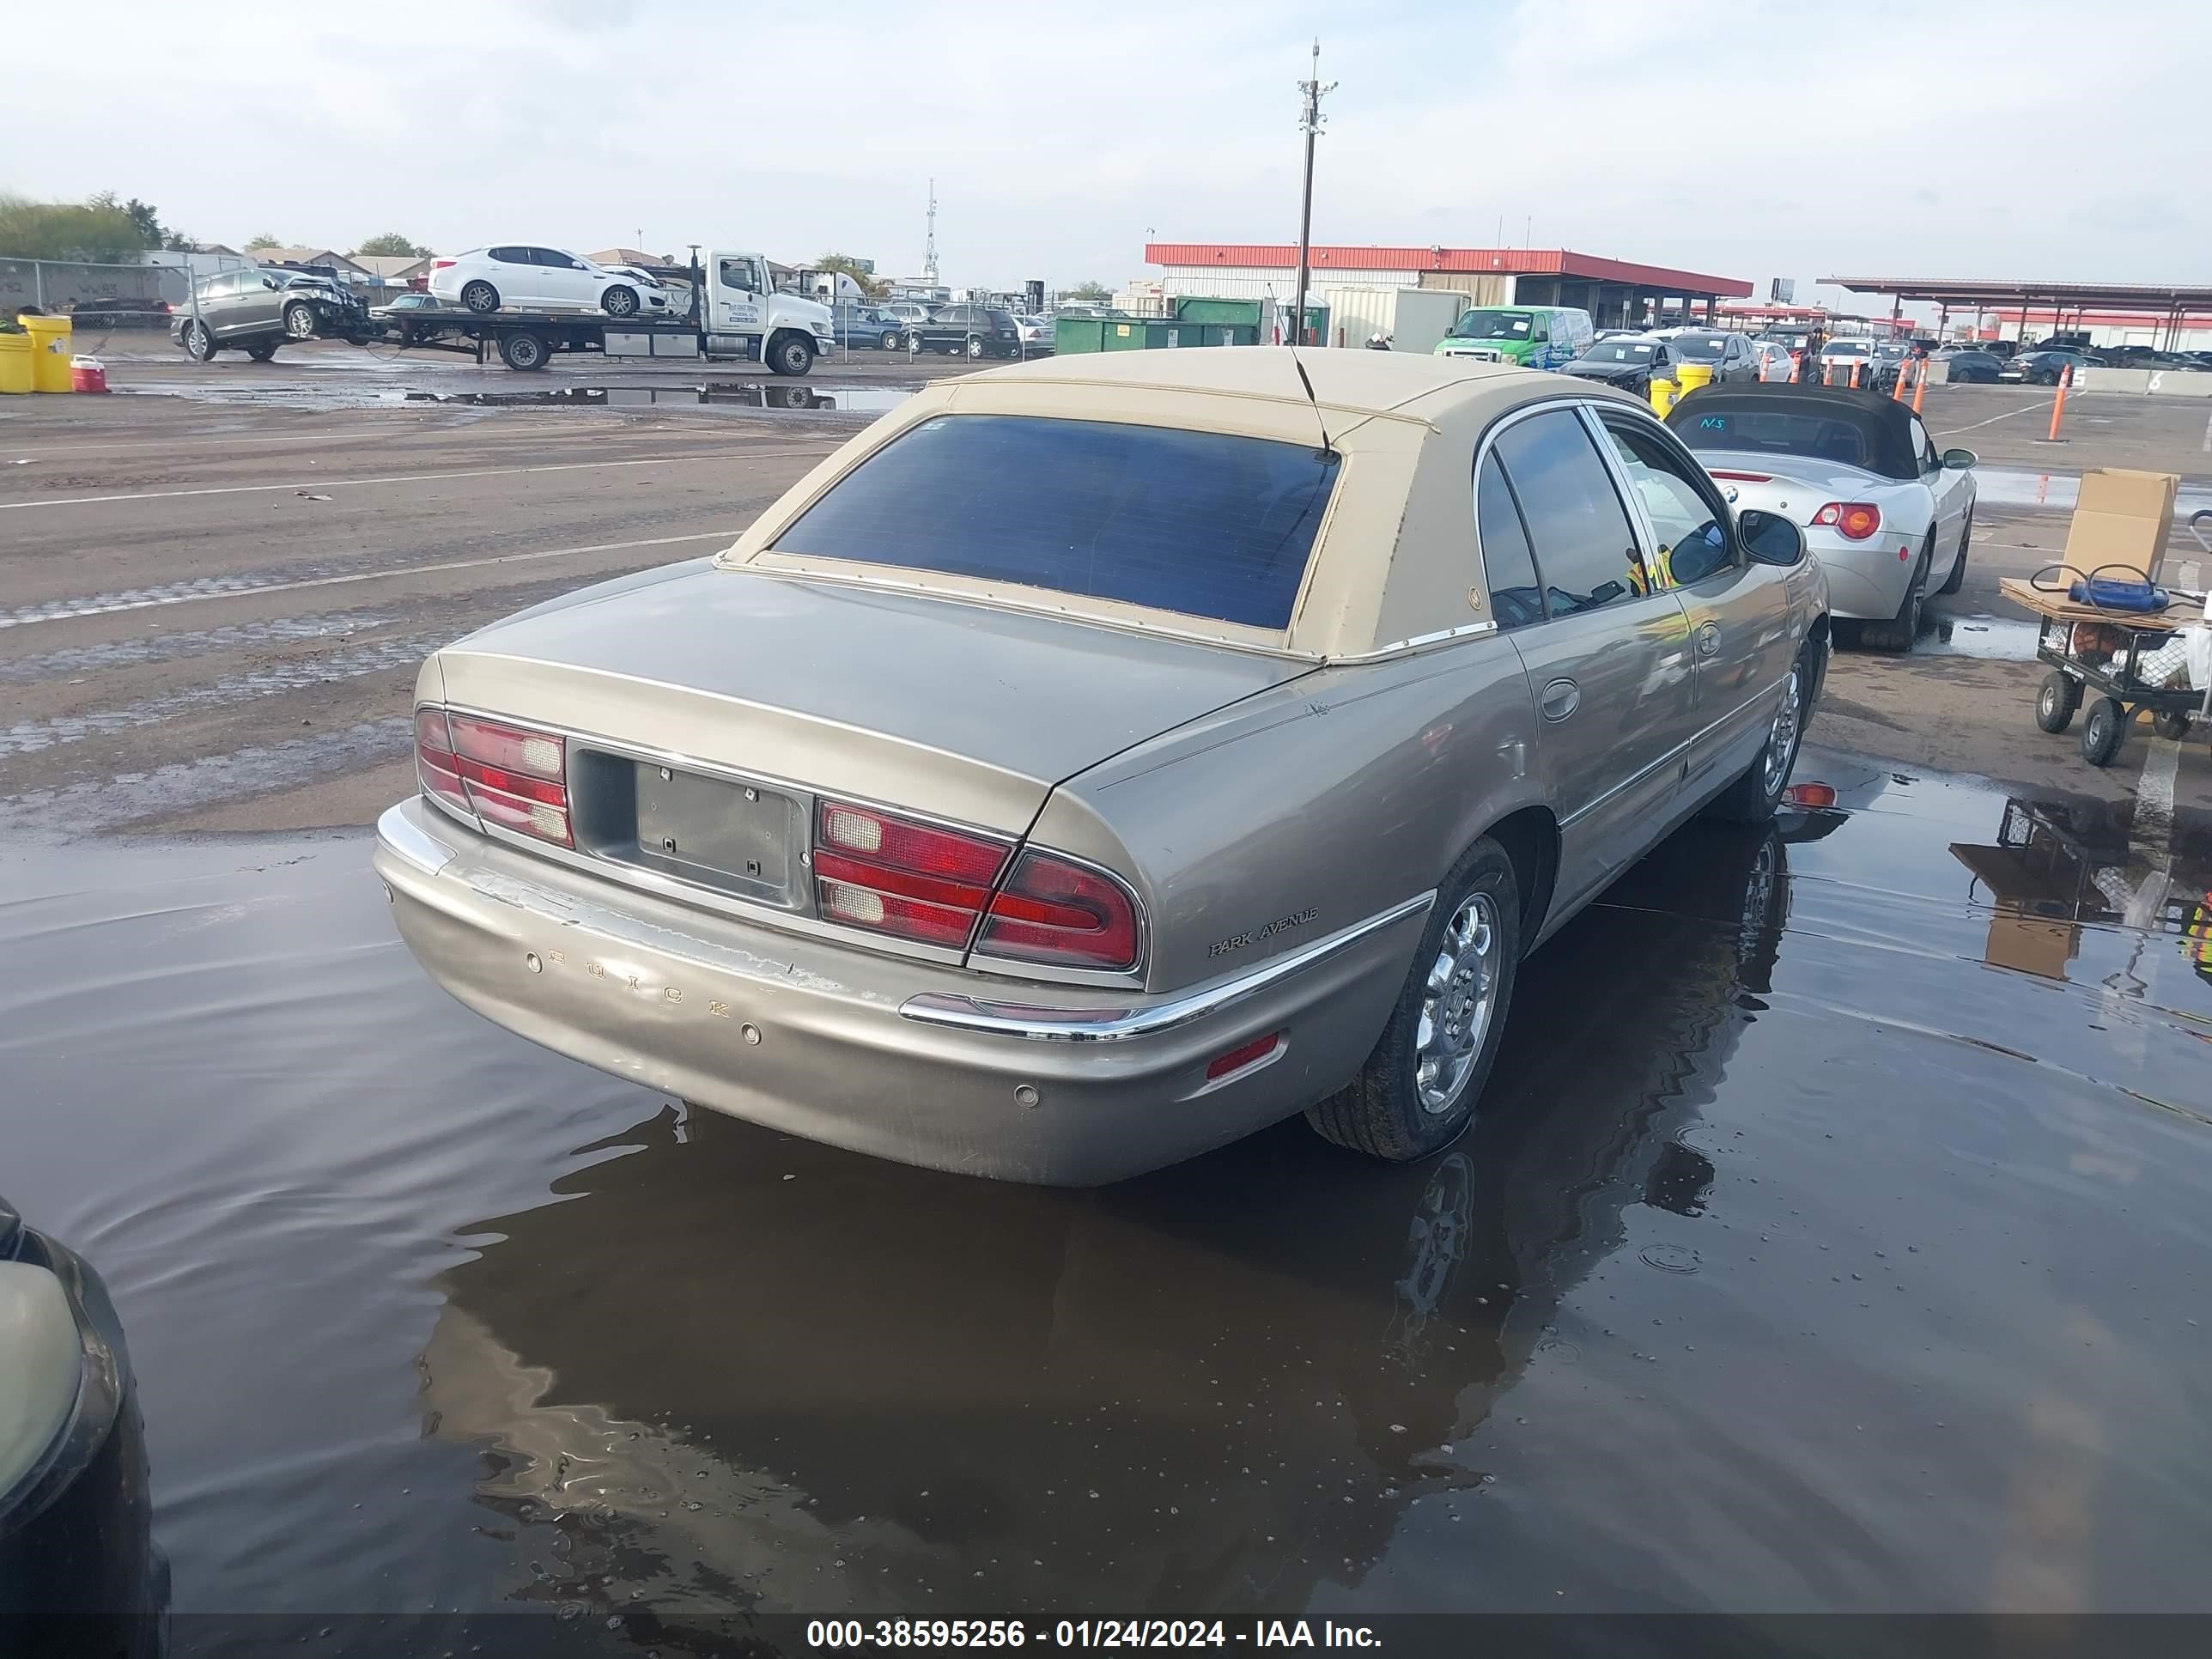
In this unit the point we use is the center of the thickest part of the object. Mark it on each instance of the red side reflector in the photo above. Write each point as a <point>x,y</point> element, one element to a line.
<point>1238,1059</point>
<point>1809,794</point>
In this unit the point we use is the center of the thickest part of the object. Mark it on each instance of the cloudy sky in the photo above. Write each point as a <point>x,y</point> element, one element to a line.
<point>1749,138</point>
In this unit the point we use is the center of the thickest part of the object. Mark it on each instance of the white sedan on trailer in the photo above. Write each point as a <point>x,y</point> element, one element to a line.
<point>1888,516</point>
<point>533,278</point>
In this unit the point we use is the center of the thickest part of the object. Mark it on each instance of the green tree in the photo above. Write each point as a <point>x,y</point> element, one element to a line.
<point>1089,293</point>
<point>100,230</point>
<point>254,245</point>
<point>844,264</point>
<point>148,222</point>
<point>393,244</point>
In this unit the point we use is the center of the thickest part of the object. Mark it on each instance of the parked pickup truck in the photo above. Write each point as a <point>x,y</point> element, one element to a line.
<point>736,314</point>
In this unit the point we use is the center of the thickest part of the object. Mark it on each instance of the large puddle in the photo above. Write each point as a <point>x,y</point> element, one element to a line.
<point>1834,1238</point>
<point>735,394</point>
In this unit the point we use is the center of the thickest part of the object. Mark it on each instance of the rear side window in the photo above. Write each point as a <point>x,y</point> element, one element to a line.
<point>1580,532</point>
<point>510,256</point>
<point>1202,523</point>
<point>1517,599</point>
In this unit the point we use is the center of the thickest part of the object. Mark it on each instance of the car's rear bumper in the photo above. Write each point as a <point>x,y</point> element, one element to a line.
<point>900,1059</point>
<point>1866,582</point>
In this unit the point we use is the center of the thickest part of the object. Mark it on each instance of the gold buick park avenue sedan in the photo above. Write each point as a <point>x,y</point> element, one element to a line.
<point>1098,759</point>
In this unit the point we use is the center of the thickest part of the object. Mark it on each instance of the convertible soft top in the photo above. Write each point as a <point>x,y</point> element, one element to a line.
<point>1867,430</point>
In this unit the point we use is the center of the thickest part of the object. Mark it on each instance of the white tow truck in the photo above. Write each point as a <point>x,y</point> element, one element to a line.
<point>736,314</point>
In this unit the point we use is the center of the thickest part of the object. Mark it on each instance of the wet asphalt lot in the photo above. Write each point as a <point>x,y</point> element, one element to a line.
<point>1834,1238</point>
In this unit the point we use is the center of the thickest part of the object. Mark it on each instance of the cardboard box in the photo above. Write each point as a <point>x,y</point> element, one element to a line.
<point>2122,518</point>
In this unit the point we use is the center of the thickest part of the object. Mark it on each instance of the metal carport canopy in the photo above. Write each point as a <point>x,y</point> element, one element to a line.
<point>2154,299</point>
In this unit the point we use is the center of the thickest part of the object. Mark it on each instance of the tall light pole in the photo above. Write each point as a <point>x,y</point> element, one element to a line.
<point>1309,120</point>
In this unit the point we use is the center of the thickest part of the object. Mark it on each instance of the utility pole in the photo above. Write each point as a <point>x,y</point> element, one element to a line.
<point>929,246</point>
<point>1309,120</point>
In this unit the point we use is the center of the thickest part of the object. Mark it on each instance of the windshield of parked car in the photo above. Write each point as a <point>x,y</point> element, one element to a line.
<point>1701,348</point>
<point>1845,349</point>
<point>1207,524</point>
<point>1621,351</point>
<point>1493,326</point>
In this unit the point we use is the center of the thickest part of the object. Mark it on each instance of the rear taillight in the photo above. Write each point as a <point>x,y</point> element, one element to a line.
<point>1853,520</point>
<point>1054,911</point>
<point>441,265</point>
<point>934,885</point>
<point>506,775</point>
<point>892,875</point>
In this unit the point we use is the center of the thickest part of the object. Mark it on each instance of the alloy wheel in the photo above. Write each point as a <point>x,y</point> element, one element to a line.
<point>1456,1004</point>
<point>1782,741</point>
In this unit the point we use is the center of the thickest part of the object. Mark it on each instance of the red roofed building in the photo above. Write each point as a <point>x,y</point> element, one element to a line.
<point>1615,292</point>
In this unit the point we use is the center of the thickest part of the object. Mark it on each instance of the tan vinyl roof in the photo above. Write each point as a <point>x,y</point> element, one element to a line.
<point>1395,560</point>
<point>1370,382</point>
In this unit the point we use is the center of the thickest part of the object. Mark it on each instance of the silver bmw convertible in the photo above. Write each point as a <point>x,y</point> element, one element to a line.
<point>1098,759</point>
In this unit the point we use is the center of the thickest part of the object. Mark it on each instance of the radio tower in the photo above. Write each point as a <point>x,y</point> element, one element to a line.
<point>929,247</point>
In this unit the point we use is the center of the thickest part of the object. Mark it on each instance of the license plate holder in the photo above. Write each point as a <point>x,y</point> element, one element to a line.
<point>739,837</point>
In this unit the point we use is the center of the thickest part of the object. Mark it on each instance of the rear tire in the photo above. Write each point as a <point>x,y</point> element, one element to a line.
<point>480,297</point>
<point>1897,633</point>
<point>2103,731</point>
<point>1415,1097</point>
<point>2055,702</point>
<point>527,352</point>
<point>199,342</point>
<point>1753,798</point>
<point>1957,579</point>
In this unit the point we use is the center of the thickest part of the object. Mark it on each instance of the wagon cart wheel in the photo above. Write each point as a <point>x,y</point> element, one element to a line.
<point>1417,1090</point>
<point>2172,723</point>
<point>2103,731</point>
<point>2055,703</point>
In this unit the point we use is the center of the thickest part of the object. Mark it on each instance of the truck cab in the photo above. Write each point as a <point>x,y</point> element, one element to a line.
<point>742,315</point>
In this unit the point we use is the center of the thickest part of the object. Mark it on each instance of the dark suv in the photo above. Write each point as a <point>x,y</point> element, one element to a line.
<point>968,332</point>
<point>256,311</point>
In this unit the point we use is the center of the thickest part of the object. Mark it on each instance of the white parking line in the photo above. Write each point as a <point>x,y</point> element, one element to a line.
<point>2023,410</point>
<point>103,606</point>
<point>411,478</point>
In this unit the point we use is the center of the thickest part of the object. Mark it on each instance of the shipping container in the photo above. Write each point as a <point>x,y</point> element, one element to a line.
<point>1414,318</point>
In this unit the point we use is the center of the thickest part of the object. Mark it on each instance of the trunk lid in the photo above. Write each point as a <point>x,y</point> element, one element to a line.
<point>1796,486</point>
<point>910,702</point>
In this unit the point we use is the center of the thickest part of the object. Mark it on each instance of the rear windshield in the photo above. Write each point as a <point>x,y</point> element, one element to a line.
<point>1202,523</point>
<point>1763,428</point>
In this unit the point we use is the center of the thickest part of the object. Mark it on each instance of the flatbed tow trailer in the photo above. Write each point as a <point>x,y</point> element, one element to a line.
<point>734,316</point>
<point>529,340</point>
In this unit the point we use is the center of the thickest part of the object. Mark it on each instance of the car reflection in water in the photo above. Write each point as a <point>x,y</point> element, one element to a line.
<point>739,1371</point>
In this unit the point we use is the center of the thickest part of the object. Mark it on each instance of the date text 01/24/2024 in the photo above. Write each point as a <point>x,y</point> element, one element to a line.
<point>854,1633</point>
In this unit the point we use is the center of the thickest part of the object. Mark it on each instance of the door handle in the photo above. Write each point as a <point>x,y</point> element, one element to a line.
<point>1560,699</point>
<point>1708,637</point>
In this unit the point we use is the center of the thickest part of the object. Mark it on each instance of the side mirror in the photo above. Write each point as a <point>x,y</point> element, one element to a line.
<point>1769,539</point>
<point>1958,460</point>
